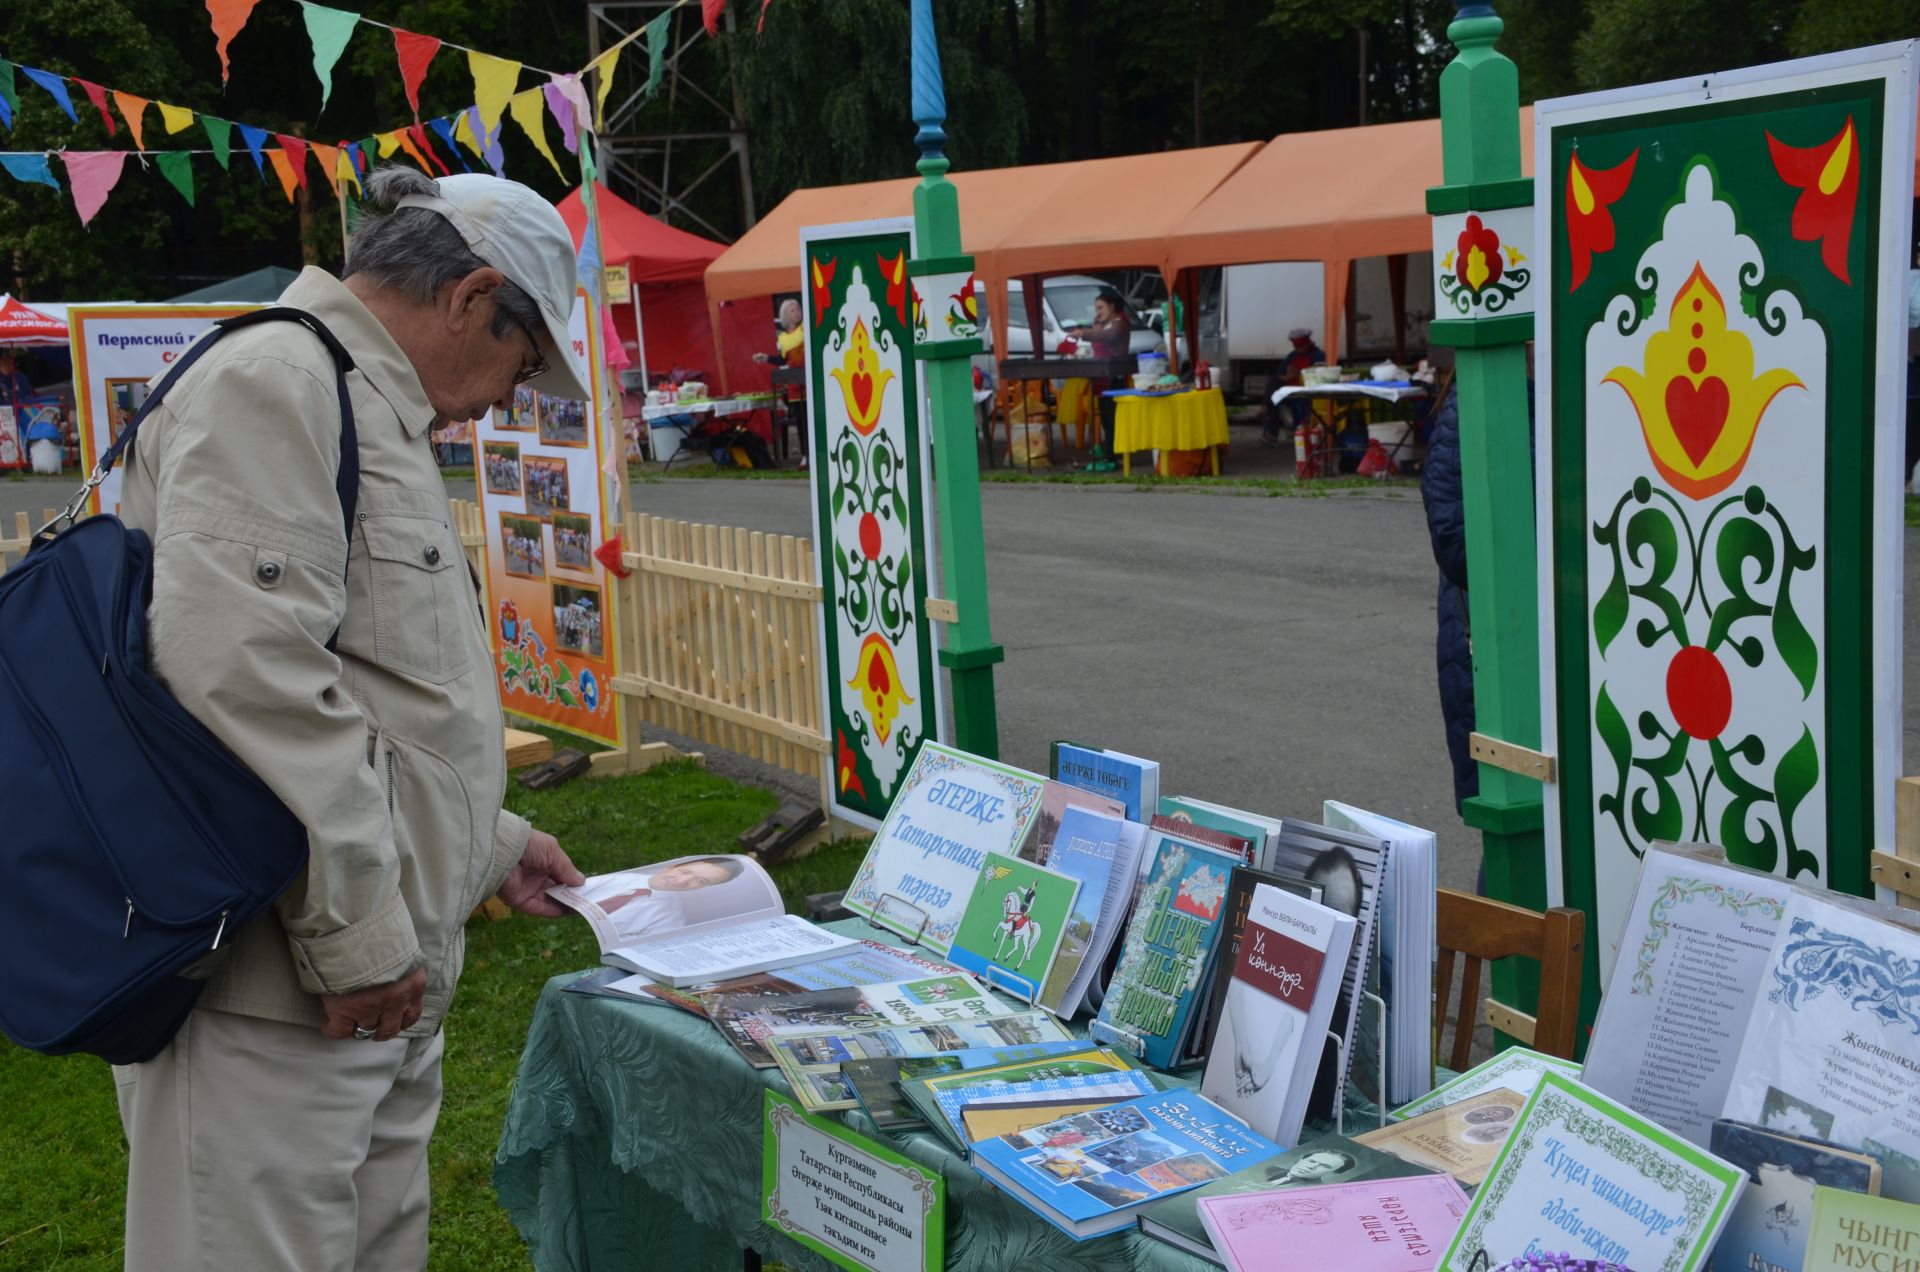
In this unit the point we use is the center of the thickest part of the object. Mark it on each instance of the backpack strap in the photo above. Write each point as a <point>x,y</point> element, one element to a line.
<point>346,482</point>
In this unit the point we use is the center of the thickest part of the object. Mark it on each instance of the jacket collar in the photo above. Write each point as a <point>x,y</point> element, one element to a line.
<point>374,352</point>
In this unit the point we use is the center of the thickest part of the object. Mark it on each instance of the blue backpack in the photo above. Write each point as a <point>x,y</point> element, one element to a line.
<point>135,844</point>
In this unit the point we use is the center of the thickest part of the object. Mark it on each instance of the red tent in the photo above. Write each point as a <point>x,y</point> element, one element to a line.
<point>667,267</point>
<point>21,326</point>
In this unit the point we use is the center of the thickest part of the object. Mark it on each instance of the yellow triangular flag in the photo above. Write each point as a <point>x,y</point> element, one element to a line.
<point>494,79</point>
<point>347,172</point>
<point>329,161</point>
<point>176,118</point>
<point>604,64</point>
<point>529,110</point>
<point>389,142</point>
<point>282,168</point>
<point>463,133</point>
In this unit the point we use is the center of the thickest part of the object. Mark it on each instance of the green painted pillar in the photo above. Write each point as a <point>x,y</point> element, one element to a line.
<point>946,338</point>
<point>1481,147</point>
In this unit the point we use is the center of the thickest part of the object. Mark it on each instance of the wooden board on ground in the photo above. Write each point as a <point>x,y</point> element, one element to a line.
<point>525,748</point>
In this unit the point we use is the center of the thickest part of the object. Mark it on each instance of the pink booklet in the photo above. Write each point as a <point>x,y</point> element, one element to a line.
<point>1382,1225</point>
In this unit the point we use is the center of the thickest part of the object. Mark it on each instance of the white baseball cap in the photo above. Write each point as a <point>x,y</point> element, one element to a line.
<point>520,234</point>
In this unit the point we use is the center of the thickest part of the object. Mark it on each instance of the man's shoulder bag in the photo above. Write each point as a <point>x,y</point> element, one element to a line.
<point>134,843</point>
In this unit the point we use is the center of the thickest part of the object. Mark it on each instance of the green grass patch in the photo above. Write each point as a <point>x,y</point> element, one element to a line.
<point>1913,510</point>
<point>62,1160</point>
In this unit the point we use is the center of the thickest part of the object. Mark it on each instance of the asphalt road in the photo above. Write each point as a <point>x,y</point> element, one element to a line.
<point>1270,652</point>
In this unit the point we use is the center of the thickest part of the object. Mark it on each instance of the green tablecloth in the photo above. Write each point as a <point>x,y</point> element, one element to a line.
<point>632,1141</point>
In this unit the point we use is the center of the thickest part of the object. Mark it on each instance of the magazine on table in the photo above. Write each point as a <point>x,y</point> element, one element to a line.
<point>746,1020</point>
<point>1056,800</point>
<point>811,1046</point>
<point>733,949</point>
<point>1128,779</point>
<point>1516,1069</point>
<point>1382,1225</point>
<point>1769,1226</point>
<point>876,1082</point>
<point>865,963</point>
<point>1463,1138</point>
<point>1102,853</point>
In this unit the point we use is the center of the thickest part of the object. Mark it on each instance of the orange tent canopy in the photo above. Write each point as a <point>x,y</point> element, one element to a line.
<point>1330,196</point>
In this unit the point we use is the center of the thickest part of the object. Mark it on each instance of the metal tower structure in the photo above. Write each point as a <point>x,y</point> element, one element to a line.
<point>659,169</point>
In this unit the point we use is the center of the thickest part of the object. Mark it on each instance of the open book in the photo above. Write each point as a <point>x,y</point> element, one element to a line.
<point>695,919</point>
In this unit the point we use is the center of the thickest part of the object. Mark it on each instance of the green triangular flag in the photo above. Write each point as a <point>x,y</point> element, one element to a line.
<point>329,29</point>
<point>177,166</point>
<point>589,171</point>
<point>219,133</point>
<point>8,91</point>
<point>656,50</point>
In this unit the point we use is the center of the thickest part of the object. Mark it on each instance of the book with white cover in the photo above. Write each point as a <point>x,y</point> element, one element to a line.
<point>1408,925</point>
<point>1273,1024</point>
<point>1516,1069</point>
<point>686,894</point>
<point>757,945</point>
<point>1692,957</point>
<point>1351,870</point>
<point>1832,1049</point>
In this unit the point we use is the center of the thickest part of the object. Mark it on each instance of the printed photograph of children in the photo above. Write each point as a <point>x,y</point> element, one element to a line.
<point>573,541</point>
<point>546,486</point>
<point>524,415</point>
<point>523,545</point>
<point>563,421</point>
<point>576,620</point>
<point>502,463</point>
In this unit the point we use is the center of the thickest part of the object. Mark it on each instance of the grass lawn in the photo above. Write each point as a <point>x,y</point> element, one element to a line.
<point>62,1161</point>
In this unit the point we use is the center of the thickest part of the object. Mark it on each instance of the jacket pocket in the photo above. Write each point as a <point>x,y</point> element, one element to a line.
<point>417,576</point>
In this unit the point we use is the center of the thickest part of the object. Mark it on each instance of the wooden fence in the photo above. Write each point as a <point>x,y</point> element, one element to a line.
<point>14,546</point>
<point>719,636</point>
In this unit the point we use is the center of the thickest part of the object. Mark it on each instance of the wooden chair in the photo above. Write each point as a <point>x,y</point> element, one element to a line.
<point>1482,930</point>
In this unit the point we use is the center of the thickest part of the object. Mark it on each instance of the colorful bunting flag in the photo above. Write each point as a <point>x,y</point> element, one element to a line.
<point>347,168</point>
<point>29,168</point>
<point>98,96</point>
<point>529,111</point>
<point>56,86</point>
<point>464,134</point>
<point>416,54</point>
<point>355,150</point>
<point>412,151</point>
<point>490,147</point>
<point>329,30</point>
<point>220,137</point>
<point>710,14</point>
<point>91,176</point>
<point>419,134</point>
<point>296,150</point>
<point>176,118</point>
<point>228,17</point>
<point>9,95</point>
<point>656,51</point>
<point>604,64</point>
<point>760,28</point>
<point>177,167</point>
<point>132,109</point>
<point>561,106</point>
<point>443,128</point>
<point>494,79</point>
<point>328,157</point>
<point>255,139</point>
<point>283,168</point>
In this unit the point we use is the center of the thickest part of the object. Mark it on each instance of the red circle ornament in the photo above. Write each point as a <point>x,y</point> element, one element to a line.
<point>870,536</point>
<point>1698,692</point>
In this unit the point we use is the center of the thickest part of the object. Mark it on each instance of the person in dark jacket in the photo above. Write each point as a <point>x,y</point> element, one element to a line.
<point>1447,528</point>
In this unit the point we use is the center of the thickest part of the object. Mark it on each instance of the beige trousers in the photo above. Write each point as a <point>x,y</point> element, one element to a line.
<point>264,1146</point>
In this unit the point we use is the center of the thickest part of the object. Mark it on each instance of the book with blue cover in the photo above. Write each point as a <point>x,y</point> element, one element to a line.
<point>1097,851</point>
<point>1091,1173</point>
<point>1151,1001</point>
<point>1128,778</point>
<point>1770,1223</point>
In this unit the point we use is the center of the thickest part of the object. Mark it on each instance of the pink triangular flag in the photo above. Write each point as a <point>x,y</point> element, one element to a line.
<point>92,174</point>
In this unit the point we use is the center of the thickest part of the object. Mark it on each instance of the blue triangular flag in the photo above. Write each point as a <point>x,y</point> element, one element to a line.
<point>255,138</point>
<point>353,156</point>
<point>443,128</point>
<point>29,168</point>
<point>6,113</point>
<point>56,86</point>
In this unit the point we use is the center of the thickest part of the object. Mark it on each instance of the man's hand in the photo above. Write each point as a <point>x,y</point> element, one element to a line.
<point>542,866</point>
<point>385,1009</point>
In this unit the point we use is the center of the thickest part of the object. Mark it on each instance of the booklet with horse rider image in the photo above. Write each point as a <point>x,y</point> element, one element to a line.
<point>1015,923</point>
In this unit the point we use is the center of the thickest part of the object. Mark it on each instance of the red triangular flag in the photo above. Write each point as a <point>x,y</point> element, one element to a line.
<point>612,554</point>
<point>419,134</point>
<point>98,96</point>
<point>710,13</point>
<point>415,53</point>
<point>296,155</point>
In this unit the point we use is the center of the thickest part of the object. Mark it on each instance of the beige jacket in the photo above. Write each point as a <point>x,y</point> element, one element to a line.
<point>391,752</point>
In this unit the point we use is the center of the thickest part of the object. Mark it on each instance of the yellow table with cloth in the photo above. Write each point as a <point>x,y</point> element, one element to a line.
<point>1181,420</point>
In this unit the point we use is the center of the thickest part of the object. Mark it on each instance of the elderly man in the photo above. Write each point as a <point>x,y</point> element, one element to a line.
<point>286,1126</point>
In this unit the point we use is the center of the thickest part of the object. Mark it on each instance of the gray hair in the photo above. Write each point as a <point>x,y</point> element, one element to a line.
<point>416,251</point>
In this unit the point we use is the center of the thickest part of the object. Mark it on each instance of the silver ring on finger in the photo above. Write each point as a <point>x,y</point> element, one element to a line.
<point>363,1033</point>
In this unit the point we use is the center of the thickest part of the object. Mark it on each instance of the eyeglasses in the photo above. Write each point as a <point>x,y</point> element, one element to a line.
<point>539,366</point>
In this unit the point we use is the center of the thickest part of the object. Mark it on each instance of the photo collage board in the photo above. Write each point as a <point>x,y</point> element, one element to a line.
<point>538,475</point>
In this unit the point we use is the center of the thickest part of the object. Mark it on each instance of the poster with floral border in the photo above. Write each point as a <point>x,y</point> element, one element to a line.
<point>551,616</point>
<point>1721,363</point>
<point>1582,1174</point>
<point>872,512</point>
